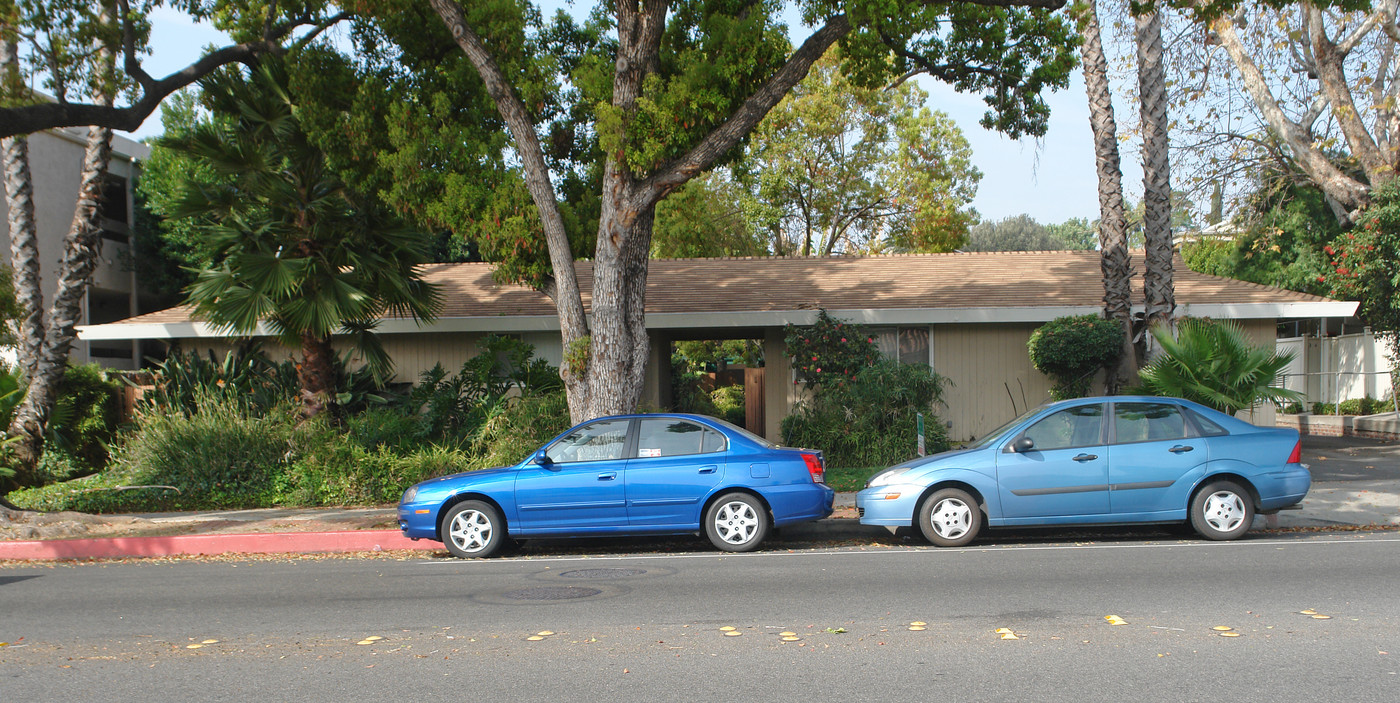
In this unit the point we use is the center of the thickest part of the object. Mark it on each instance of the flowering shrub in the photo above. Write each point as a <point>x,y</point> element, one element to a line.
<point>1365,262</point>
<point>829,352</point>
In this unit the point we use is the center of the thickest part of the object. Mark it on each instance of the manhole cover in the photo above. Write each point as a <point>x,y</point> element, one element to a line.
<point>601,573</point>
<point>552,593</point>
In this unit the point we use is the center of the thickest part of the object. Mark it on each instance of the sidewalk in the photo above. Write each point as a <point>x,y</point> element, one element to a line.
<point>1336,504</point>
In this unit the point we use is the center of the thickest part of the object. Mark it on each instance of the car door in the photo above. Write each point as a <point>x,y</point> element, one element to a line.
<point>1153,446</point>
<point>1064,470</point>
<point>581,488</point>
<point>678,463</point>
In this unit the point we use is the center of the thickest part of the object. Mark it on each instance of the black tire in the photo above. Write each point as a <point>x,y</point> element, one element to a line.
<point>473,529</point>
<point>736,522</point>
<point>950,517</point>
<point>1221,510</point>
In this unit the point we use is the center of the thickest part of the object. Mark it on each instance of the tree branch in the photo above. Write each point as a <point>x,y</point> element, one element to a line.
<point>27,119</point>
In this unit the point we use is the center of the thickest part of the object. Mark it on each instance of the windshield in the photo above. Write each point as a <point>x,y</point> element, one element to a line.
<point>987,438</point>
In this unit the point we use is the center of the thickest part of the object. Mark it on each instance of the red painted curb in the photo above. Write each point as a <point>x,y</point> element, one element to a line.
<point>269,543</point>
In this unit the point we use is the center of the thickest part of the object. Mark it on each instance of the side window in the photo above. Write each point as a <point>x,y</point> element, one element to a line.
<point>1147,422</point>
<point>1207,427</point>
<point>596,442</point>
<point>1080,426</point>
<point>672,437</point>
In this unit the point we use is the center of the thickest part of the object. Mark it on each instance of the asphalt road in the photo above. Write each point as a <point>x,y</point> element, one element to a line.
<point>648,626</point>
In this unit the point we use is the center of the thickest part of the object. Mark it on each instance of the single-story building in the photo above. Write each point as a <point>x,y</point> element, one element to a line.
<point>969,315</point>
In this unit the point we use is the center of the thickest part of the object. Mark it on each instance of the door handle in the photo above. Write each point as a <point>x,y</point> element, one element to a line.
<point>708,469</point>
<point>1086,457</point>
<point>607,476</point>
<point>1178,449</point>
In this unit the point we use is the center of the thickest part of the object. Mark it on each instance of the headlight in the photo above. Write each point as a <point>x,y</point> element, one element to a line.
<point>886,477</point>
<point>409,495</point>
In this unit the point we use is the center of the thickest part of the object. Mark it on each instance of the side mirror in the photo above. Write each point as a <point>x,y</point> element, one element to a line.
<point>1022,445</point>
<point>542,458</point>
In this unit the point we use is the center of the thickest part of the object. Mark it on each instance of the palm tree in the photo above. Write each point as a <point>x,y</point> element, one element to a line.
<point>293,247</point>
<point>1214,364</point>
<point>1156,171</point>
<point>1117,268</point>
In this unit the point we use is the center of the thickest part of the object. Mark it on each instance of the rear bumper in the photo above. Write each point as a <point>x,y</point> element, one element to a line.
<point>1281,489</point>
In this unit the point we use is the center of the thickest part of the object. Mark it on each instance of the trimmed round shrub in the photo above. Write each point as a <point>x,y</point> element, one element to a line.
<point>1071,349</point>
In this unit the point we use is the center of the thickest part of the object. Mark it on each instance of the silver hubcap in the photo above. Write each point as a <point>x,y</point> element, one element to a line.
<point>470,530</point>
<point>736,522</point>
<point>951,518</point>
<point>1224,511</point>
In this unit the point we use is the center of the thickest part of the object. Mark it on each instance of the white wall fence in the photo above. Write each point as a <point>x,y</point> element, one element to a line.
<point>1333,369</point>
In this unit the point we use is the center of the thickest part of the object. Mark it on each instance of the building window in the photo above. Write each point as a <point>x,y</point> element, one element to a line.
<point>113,206</point>
<point>908,345</point>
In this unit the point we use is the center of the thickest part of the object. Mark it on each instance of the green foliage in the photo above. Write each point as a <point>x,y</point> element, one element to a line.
<point>830,352</point>
<point>1071,349</point>
<point>1076,233</point>
<point>1364,264</point>
<point>704,219</point>
<point>453,409</point>
<point>837,168</point>
<point>1362,406</point>
<point>1280,243</point>
<point>290,243</point>
<point>529,422</point>
<point>245,373</point>
<point>1015,233</point>
<point>87,414</point>
<point>1214,364</point>
<point>871,420</point>
<point>729,404</point>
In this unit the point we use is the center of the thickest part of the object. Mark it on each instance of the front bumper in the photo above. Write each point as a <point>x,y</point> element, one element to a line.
<point>892,505</point>
<point>418,520</point>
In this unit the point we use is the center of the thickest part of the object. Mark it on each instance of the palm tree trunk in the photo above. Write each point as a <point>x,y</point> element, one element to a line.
<point>316,373</point>
<point>24,246</point>
<point>81,249</point>
<point>1115,263</point>
<point>1156,179</point>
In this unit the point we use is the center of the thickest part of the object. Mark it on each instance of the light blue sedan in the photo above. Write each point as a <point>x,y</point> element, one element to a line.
<point>1107,460</point>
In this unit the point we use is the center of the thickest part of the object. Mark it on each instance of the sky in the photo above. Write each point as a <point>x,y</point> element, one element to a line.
<point>1051,179</point>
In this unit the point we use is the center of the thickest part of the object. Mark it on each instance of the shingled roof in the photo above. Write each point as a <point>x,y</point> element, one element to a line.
<point>763,291</point>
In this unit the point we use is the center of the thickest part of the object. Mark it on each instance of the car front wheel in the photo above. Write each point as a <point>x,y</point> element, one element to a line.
<point>950,518</point>
<point>1221,510</point>
<point>473,529</point>
<point>736,522</point>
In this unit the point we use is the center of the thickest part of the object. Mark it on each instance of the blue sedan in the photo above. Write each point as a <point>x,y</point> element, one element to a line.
<point>626,475</point>
<point>1110,460</point>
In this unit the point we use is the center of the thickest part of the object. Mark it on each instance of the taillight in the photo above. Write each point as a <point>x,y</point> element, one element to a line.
<point>1297,455</point>
<point>814,467</point>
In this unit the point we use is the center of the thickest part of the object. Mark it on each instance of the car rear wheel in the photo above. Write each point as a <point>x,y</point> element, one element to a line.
<point>737,522</point>
<point>473,529</point>
<point>950,518</point>
<point>1222,510</point>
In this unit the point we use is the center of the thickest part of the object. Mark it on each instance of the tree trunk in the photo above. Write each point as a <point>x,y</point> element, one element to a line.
<point>24,246</point>
<point>81,249</point>
<point>1115,263</point>
<point>316,375</point>
<point>605,353</point>
<point>1156,171</point>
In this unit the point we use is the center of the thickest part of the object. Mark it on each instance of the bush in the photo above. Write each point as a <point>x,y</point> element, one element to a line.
<point>85,416</point>
<point>1214,364</point>
<point>871,421</point>
<point>331,472</point>
<point>728,402</point>
<point>529,422</point>
<point>829,352</point>
<point>246,374</point>
<point>452,409</point>
<point>1071,349</point>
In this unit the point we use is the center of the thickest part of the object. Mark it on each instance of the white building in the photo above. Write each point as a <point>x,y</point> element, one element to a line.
<point>56,163</point>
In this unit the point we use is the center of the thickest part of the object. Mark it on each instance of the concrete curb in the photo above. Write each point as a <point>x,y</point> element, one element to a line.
<point>263,543</point>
